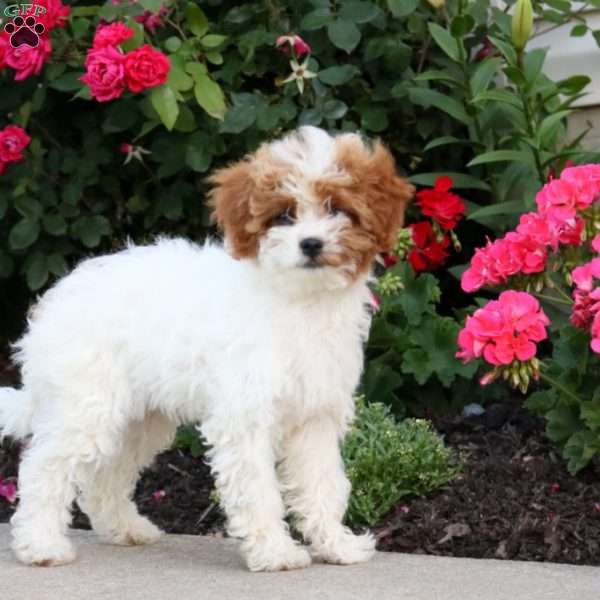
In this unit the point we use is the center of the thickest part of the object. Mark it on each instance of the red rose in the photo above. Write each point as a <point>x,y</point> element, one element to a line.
<point>112,35</point>
<point>27,61</point>
<point>441,205</point>
<point>105,73</point>
<point>146,68</point>
<point>429,253</point>
<point>13,140</point>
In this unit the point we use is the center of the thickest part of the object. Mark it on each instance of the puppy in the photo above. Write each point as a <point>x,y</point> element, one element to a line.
<point>260,341</point>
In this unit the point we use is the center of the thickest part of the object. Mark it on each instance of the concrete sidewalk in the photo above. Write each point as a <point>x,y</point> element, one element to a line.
<point>202,568</point>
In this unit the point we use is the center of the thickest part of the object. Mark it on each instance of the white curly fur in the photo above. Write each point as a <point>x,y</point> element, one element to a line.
<point>265,356</point>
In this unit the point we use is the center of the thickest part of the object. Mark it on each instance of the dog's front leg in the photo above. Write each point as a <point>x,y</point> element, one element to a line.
<point>244,467</point>
<point>317,491</point>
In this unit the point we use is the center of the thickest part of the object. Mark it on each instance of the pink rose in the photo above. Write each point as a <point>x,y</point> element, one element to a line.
<point>56,14</point>
<point>146,67</point>
<point>105,73</point>
<point>112,35</point>
<point>300,47</point>
<point>596,243</point>
<point>13,140</point>
<point>28,61</point>
<point>4,44</point>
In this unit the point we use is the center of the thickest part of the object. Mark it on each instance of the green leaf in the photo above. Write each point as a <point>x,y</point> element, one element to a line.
<point>165,104</point>
<point>173,43</point>
<point>426,98</point>
<point>562,423</point>
<point>344,34</point>
<point>499,156</point>
<point>445,41</point>
<point>503,96</point>
<point>418,295</point>
<point>445,140</point>
<point>501,208</point>
<point>437,75</point>
<point>402,8</point>
<point>506,49</point>
<point>334,109</point>
<point>23,234</point>
<point>373,118</point>
<point>579,30</point>
<point>213,40</point>
<point>151,5</point>
<point>358,11</point>
<point>57,264</point>
<point>90,230</point>
<point>533,64</point>
<point>484,74</point>
<point>68,82</point>
<point>462,25</point>
<point>196,19</point>
<point>316,19</point>
<point>461,180</point>
<point>209,96</point>
<point>379,382</point>
<point>338,75</point>
<point>55,224</point>
<point>548,125</point>
<point>541,402</point>
<point>416,362</point>
<point>36,271</point>
<point>580,449</point>
<point>198,152</point>
<point>590,413</point>
<point>574,84</point>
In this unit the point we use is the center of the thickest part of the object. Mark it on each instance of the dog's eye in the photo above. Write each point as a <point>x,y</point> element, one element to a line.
<point>335,210</point>
<point>282,219</point>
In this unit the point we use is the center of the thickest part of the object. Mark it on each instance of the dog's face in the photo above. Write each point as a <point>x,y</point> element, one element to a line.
<point>312,205</point>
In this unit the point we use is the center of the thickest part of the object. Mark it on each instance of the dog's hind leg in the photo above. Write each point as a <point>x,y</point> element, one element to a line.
<point>107,496</point>
<point>46,491</point>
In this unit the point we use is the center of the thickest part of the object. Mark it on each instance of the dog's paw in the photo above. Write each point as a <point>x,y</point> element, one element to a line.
<point>346,549</point>
<point>276,555</point>
<point>45,552</point>
<point>136,532</point>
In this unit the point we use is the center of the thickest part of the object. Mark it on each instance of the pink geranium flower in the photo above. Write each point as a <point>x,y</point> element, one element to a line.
<point>504,330</point>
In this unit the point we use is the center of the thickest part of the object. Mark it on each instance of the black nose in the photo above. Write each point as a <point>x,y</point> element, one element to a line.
<point>311,247</point>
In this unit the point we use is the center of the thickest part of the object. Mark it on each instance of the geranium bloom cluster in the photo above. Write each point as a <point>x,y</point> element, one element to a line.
<point>13,140</point>
<point>430,239</point>
<point>557,236</point>
<point>504,330</point>
<point>556,222</point>
<point>26,60</point>
<point>110,71</point>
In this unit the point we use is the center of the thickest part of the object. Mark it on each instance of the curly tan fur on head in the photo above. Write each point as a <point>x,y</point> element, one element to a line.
<point>339,190</point>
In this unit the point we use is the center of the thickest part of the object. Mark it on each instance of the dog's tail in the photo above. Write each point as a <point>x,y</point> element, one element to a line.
<point>16,412</point>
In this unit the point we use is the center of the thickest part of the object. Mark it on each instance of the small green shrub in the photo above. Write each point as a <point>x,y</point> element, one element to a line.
<point>387,460</point>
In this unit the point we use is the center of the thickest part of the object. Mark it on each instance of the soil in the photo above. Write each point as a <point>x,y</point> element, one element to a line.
<point>514,499</point>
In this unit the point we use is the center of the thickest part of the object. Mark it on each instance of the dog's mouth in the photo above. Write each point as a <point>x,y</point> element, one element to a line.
<point>312,263</point>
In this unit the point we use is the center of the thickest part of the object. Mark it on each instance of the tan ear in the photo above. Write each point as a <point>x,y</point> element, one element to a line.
<point>386,193</point>
<point>230,198</point>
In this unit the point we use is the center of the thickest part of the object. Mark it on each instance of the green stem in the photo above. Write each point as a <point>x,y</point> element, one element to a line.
<point>562,293</point>
<point>560,387</point>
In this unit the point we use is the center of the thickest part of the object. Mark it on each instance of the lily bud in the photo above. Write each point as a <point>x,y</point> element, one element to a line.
<point>437,4</point>
<point>522,23</point>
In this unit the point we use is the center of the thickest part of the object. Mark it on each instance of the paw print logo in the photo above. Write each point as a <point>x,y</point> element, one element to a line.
<point>24,32</point>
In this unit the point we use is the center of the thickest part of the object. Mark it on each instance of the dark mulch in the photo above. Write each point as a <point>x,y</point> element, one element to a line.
<point>514,499</point>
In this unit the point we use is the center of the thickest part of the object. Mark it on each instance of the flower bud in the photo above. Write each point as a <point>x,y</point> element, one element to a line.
<point>437,4</point>
<point>522,23</point>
